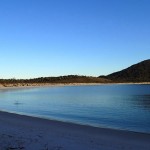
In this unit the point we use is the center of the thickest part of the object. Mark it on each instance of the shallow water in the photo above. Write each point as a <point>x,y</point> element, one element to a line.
<point>124,107</point>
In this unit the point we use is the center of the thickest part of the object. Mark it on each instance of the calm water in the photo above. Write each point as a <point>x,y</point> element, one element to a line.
<point>114,106</point>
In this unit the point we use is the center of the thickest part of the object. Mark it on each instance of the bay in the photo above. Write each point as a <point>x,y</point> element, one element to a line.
<point>125,107</point>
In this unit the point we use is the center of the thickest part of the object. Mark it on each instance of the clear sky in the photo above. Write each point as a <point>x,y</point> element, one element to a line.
<point>61,37</point>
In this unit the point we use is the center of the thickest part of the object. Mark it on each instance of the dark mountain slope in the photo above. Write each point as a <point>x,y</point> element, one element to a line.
<point>136,73</point>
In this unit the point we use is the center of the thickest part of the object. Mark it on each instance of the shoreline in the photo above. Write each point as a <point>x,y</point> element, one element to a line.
<point>34,85</point>
<point>53,134</point>
<point>71,122</point>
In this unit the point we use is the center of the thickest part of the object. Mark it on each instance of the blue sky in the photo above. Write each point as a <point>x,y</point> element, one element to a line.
<point>61,37</point>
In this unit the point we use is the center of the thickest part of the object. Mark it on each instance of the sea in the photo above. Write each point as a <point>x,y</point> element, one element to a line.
<point>124,107</point>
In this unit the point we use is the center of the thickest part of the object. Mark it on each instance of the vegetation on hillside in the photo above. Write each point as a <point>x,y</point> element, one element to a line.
<point>136,73</point>
<point>60,79</point>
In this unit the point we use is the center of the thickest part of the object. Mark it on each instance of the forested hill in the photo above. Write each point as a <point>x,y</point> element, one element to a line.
<point>60,79</point>
<point>139,72</point>
<point>136,73</point>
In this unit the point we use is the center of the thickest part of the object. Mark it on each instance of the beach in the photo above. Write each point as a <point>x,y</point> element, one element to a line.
<point>75,75</point>
<point>32,85</point>
<point>31,133</point>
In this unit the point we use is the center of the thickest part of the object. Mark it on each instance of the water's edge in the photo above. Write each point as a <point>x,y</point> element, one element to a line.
<point>75,123</point>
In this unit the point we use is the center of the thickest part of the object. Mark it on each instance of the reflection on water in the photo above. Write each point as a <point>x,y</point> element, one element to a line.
<point>116,106</point>
<point>143,101</point>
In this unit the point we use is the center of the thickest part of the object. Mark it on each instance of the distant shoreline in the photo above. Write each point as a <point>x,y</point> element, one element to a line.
<point>34,85</point>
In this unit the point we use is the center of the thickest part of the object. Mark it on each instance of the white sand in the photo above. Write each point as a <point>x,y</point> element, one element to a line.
<point>19,132</point>
<point>35,85</point>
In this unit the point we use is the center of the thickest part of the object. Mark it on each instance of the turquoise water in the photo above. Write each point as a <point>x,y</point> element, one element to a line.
<point>124,107</point>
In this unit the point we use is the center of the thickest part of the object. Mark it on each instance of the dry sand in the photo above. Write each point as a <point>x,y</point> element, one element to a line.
<point>31,85</point>
<point>19,132</point>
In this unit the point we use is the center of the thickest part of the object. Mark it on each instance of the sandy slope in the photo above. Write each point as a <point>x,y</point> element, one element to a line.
<point>29,133</point>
